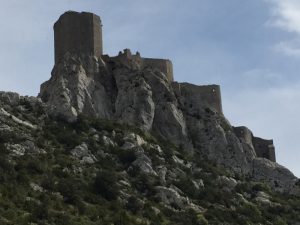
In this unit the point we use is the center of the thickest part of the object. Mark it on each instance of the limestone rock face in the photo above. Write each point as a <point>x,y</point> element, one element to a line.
<point>278,177</point>
<point>122,88</point>
<point>171,196</point>
<point>73,88</point>
<point>134,103</point>
<point>115,88</point>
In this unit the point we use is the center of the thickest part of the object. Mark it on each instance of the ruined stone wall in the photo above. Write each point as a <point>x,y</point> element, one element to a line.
<point>164,65</point>
<point>126,58</point>
<point>78,33</point>
<point>264,148</point>
<point>243,133</point>
<point>198,97</point>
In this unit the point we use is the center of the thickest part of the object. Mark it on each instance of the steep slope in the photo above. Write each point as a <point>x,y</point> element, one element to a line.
<point>95,171</point>
<point>122,89</point>
<point>114,140</point>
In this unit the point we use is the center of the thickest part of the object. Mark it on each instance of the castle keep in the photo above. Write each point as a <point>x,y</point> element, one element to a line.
<point>78,33</point>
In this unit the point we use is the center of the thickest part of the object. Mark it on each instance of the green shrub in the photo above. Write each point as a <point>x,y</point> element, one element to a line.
<point>201,220</point>
<point>250,211</point>
<point>70,189</point>
<point>261,187</point>
<point>186,185</point>
<point>105,185</point>
<point>127,156</point>
<point>279,221</point>
<point>134,205</point>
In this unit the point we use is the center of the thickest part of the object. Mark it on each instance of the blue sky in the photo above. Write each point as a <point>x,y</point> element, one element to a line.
<point>251,48</point>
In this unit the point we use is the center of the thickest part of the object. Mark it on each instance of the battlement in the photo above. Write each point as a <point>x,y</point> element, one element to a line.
<point>76,32</point>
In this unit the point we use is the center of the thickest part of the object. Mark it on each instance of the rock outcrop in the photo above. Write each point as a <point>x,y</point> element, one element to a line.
<point>120,88</point>
<point>113,140</point>
<point>141,92</point>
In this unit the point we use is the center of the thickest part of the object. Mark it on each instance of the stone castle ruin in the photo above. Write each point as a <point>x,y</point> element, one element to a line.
<point>133,89</point>
<point>78,33</point>
<point>263,148</point>
<point>82,33</point>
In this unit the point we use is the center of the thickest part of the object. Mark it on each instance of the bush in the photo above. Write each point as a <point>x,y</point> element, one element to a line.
<point>250,211</point>
<point>134,205</point>
<point>105,185</point>
<point>127,156</point>
<point>261,187</point>
<point>70,188</point>
<point>279,221</point>
<point>201,220</point>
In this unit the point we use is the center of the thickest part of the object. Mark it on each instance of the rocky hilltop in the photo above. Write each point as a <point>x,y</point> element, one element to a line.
<point>128,89</point>
<point>115,140</point>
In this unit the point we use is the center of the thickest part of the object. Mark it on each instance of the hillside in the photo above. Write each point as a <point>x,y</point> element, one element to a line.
<point>115,140</point>
<point>96,171</point>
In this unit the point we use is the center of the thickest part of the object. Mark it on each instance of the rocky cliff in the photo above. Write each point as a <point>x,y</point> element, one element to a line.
<point>122,89</point>
<point>115,140</point>
<point>97,171</point>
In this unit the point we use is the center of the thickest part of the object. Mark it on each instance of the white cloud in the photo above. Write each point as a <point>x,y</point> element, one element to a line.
<point>290,48</point>
<point>272,113</point>
<point>286,16</point>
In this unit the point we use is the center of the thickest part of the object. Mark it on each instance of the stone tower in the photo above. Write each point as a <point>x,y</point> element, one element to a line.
<point>78,33</point>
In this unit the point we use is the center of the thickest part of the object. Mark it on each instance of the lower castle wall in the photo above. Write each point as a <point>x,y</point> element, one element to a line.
<point>200,96</point>
<point>264,148</point>
<point>244,134</point>
<point>164,65</point>
<point>125,57</point>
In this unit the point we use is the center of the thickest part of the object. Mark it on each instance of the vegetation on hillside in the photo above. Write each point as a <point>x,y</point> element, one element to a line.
<point>54,187</point>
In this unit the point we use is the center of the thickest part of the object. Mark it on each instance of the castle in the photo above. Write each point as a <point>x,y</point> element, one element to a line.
<point>81,33</point>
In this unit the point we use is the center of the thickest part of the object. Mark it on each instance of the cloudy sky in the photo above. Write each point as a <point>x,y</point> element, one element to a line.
<point>251,48</point>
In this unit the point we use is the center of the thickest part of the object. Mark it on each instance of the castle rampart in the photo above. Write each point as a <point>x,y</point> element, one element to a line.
<point>164,65</point>
<point>264,148</point>
<point>78,33</point>
<point>200,96</point>
<point>244,134</point>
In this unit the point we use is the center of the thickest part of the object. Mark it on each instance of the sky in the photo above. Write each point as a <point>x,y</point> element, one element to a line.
<point>250,48</point>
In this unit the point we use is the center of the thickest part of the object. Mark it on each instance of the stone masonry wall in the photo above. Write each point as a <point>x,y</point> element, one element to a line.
<point>199,96</point>
<point>264,148</point>
<point>125,57</point>
<point>244,134</point>
<point>78,33</point>
<point>164,65</point>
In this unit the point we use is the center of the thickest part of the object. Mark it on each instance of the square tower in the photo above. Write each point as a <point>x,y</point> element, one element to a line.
<point>76,32</point>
